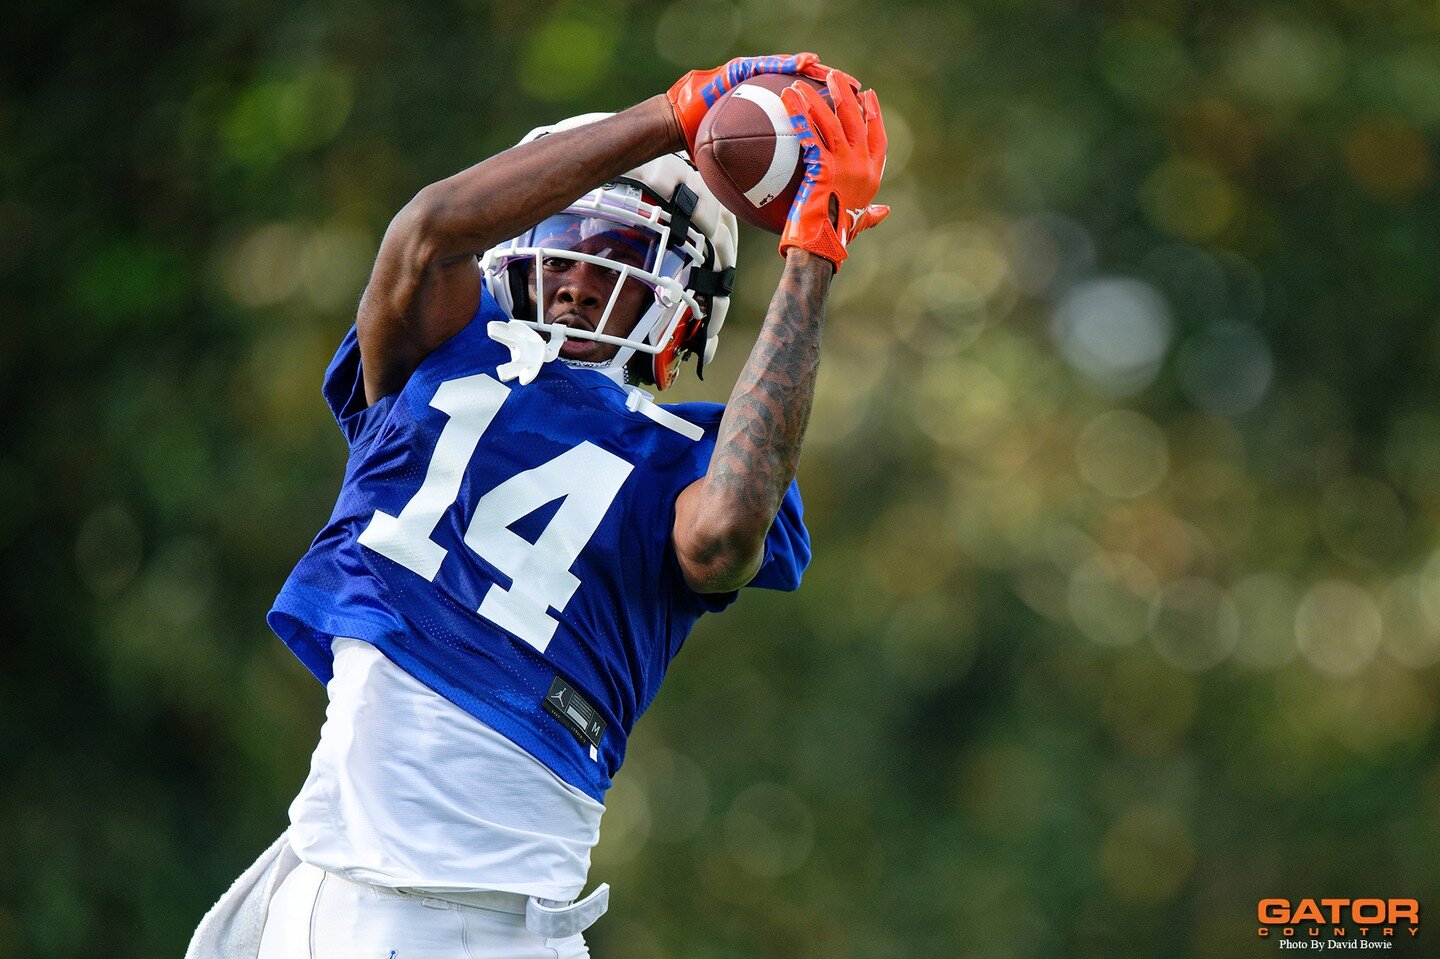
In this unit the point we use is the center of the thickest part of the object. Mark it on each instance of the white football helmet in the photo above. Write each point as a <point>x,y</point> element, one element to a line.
<point>658,225</point>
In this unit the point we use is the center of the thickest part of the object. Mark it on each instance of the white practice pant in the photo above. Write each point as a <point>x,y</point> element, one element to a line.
<point>319,915</point>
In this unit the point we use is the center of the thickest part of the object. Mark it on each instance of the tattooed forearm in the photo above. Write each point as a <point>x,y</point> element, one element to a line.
<point>760,436</point>
<point>722,519</point>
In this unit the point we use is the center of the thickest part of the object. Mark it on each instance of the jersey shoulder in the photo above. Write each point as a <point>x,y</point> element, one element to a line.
<point>705,415</point>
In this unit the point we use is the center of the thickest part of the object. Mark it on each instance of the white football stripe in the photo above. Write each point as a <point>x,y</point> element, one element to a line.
<point>787,148</point>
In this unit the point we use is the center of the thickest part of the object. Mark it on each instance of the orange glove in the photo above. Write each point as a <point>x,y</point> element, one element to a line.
<point>695,93</point>
<point>844,155</point>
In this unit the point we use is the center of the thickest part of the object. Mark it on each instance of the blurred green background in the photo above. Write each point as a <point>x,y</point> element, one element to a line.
<point>1124,473</point>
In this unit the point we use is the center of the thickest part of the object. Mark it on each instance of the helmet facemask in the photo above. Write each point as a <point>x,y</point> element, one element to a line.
<point>618,228</point>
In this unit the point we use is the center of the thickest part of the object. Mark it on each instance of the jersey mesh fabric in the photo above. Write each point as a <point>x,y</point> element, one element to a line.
<point>617,633</point>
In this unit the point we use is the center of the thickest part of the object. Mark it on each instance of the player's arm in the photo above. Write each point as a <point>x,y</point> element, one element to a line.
<point>425,287</point>
<point>722,519</point>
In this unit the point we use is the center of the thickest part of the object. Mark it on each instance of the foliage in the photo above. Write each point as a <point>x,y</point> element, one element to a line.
<point>1124,474</point>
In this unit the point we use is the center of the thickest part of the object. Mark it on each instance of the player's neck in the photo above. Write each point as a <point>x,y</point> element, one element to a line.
<point>612,372</point>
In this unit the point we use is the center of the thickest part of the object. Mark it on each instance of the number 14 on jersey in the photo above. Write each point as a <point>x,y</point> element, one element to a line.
<point>586,476</point>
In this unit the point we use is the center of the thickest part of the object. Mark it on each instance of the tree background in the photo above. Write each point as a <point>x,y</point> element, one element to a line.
<point>1124,473</point>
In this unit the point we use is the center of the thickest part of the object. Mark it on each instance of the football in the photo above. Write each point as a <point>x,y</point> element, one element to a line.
<point>748,154</point>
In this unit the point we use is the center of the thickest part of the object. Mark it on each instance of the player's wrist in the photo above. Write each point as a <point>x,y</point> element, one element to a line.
<point>811,231</point>
<point>808,273</point>
<point>665,118</point>
<point>800,260</point>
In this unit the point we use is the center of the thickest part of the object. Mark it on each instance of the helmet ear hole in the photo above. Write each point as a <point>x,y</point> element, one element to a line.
<point>517,275</point>
<point>698,336</point>
<point>640,368</point>
<point>660,369</point>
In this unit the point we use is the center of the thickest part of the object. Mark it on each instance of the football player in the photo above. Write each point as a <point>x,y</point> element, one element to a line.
<point>523,537</point>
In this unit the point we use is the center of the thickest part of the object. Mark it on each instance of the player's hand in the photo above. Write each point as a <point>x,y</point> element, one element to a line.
<point>844,155</point>
<point>696,92</point>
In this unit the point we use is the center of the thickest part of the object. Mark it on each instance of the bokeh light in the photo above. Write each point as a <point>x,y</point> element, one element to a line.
<point>1194,624</point>
<point>1115,332</point>
<point>1226,368</point>
<point>769,830</point>
<point>1122,454</point>
<point>1338,627</point>
<point>1266,605</point>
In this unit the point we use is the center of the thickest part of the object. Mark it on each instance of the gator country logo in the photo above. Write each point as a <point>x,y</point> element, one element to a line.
<point>1338,923</point>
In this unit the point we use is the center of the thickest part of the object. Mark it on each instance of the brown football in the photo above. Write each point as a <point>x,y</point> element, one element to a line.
<point>748,154</point>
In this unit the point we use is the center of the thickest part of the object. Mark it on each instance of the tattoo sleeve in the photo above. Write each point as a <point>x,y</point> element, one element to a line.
<point>758,448</point>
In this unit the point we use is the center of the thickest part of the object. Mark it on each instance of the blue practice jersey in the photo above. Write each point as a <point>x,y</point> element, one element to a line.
<point>509,546</point>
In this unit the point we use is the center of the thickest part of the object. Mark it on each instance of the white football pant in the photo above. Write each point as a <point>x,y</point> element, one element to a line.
<point>318,915</point>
